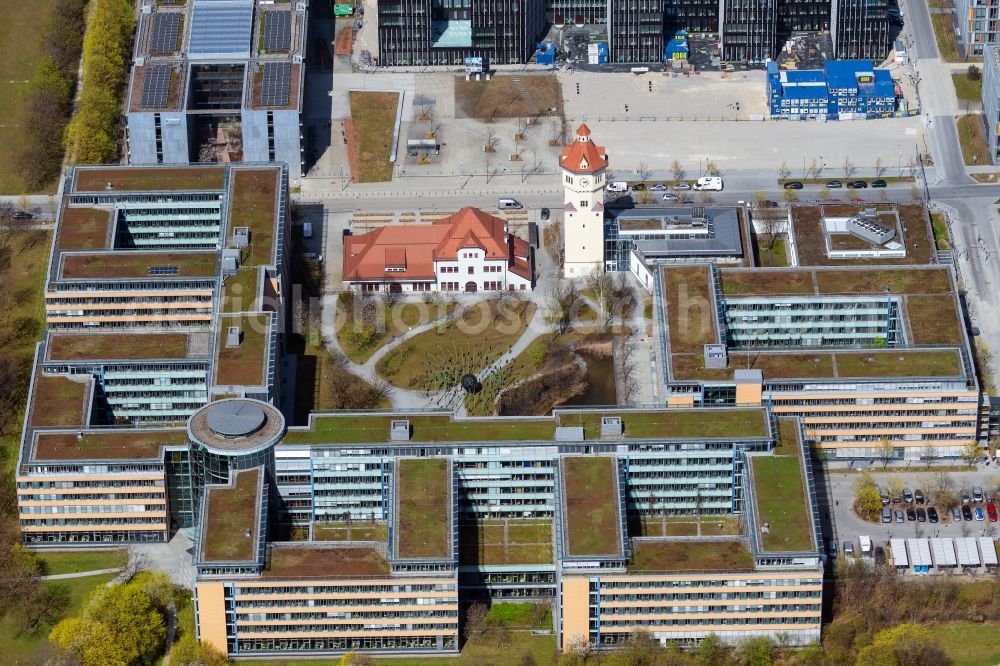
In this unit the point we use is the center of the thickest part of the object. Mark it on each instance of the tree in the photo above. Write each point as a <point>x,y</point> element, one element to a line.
<point>849,167</point>
<point>711,168</point>
<point>757,651</point>
<point>973,73</point>
<point>677,170</point>
<point>712,651</point>
<point>475,620</point>
<point>643,172</point>
<point>879,167</point>
<point>791,196</point>
<point>89,643</point>
<point>354,659</point>
<point>783,171</point>
<point>895,487</point>
<point>886,450</point>
<point>759,198</point>
<point>188,651</point>
<point>562,302</point>
<point>971,452</point>
<point>903,645</point>
<point>640,649</point>
<point>391,297</point>
<point>490,146</point>
<point>824,194</point>
<point>771,227</point>
<point>601,284</point>
<point>915,192</point>
<point>868,502</point>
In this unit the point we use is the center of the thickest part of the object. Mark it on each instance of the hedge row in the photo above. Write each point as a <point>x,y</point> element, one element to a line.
<point>48,97</point>
<point>91,136</point>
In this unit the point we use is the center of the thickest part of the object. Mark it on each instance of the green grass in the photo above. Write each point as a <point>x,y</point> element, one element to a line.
<point>390,322</point>
<point>972,137</point>
<point>675,423</point>
<point>91,346</point>
<point>969,643</point>
<point>73,562</point>
<point>158,179</point>
<point>356,531</point>
<point>524,615</point>
<point>489,542</point>
<point>966,88</point>
<point>239,293</point>
<point>592,517</point>
<point>423,505</point>
<point>373,115</point>
<point>229,512</point>
<point>355,429</point>
<point>772,257</point>
<point>22,647</point>
<point>690,556</point>
<point>243,365</point>
<point>20,52</point>
<point>780,500</point>
<point>690,319</point>
<point>254,205</point>
<point>944,33</point>
<point>940,228</point>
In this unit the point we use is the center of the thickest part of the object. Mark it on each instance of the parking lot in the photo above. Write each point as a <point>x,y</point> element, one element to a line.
<point>848,525</point>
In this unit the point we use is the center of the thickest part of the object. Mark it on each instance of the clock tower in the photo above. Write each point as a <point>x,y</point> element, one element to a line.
<point>583,168</point>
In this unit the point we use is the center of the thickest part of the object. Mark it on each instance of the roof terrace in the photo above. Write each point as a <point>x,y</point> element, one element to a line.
<point>125,444</point>
<point>592,519</point>
<point>690,555</point>
<point>322,561</point>
<point>245,364</point>
<point>505,542</point>
<point>60,401</point>
<point>253,204</point>
<point>134,264</point>
<point>116,346</point>
<point>229,529</point>
<point>423,509</point>
<point>84,229</point>
<point>779,499</point>
<point>153,179</point>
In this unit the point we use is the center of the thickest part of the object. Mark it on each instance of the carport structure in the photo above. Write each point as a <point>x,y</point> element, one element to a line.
<point>989,553</point>
<point>968,553</point>
<point>920,555</point>
<point>944,553</point>
<point>898,549</point>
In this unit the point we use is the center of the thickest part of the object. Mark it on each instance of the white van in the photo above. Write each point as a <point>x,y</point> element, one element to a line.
<point>710,183</point>
<point>507,203</point>
<point>618,186</point>
<point>307,229</point>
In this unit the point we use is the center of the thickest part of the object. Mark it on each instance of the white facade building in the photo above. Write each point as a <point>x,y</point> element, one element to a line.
<point>583,166</point>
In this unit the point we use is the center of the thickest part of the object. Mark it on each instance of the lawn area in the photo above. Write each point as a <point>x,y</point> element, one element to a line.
<point>809,233</point>
<point>779,497</point>
<point>360,339</point>
<point>972,137</point>
<point>20,52</point>
<point>92,346</point>
<point>488,542</point>
<point>966,88</point>
<point>502,97</point>
<point>356,531</point>
<point>73,562</point>
<point>170,178</point>
<point>435,360</point>
<point>771,257</point>
<point>944,33</point>
<point>423,505</point>
<point>61,400</point>
<point>524,615</point>
<point>940,228</point>
<point>672,423</point>
<point>676,526</point>
<point>23,647</point>
<point>690,316</point>
<point>243,365</point>
<point>969,643</point>
<point>591,499</point>
<point>229,512</point>
<point>373,117</point>
<point>354,429</point>
<point>254,205</point>
<point>934,319</point>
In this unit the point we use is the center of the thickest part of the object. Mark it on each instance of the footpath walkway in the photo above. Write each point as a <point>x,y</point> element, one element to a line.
<point>80,574</point>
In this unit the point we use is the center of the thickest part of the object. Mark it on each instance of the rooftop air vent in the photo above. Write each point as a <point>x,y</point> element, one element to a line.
<point>399,431</point>
<point>233,336</point>
<point>611,426</point>
<point>569,434</point>
<point>241,236</point>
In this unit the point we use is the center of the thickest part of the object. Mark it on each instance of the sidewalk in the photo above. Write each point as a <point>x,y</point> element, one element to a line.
<point>80,574</point>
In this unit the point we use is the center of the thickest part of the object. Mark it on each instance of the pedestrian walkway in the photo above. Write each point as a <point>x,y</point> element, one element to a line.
<point>80,574</point>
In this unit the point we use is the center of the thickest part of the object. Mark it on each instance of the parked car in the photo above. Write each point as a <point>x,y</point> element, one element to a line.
<point>932,514</point>
<point>907,495</point>
<point>878,182</point>
<point>980,514</point>
<point>659,187</point>
<point>900,518</point>
<point>682,186</point>
<point>793,185</point>
<point>545,213</point>
<point>965,496</point>
<point>977,494</point>
<point>921,515</point>
<point>911,515</point>
<point>918,496</point>
<point>956,514</point>
<point>832,548</point>
<point>896,499</point>
<point>991,511</point>
<point>638,187</point>
<point>857,184</point>
<point>834,184</point>
<point>884,493</point>
<point>21,215</point>
<point>886,515</point>
<point>879,555</point>
<point>848,549</point>
<point>667,196</point>
<point>966,513</point>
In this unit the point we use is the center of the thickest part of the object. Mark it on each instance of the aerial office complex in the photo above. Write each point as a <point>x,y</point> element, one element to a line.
<point>178,423</point>
<point>864,339</point>
<point>977,25</point>
<point>217,81</point>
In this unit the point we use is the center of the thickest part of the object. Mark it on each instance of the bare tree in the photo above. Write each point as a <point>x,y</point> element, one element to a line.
<point>562,302</point>
<point>712,168</point>
<point>783,171</point>
<point>138,562</point>
<point>522,128</point>
<point>677,170</point>
<point>879,167</point>
<point>848,167</point>
<point>885,451</point>
<point>391,297</point>
<point>475,621</point>
<point>771,227</point>
<point>601,283</point>
<point>490,146</point>
<point>643,172</point>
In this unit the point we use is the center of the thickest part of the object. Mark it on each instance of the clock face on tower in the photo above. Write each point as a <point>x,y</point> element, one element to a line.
<point>584,182</point>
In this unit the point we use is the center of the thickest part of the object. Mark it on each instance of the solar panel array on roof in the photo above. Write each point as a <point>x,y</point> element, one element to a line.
<point>277,80</point>
<point>166,27</point>
<point>221,28</point>
<point>155,87</point>
<point>277,31</point>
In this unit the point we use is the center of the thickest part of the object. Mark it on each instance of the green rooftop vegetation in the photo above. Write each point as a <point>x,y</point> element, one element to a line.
<point>229,513</point>
<point>239,292</point>
<point>690,313</point>
<point>351,428</point>
<point>253,204</point>
<point>118,346</point>
<point>592,520</point>
<point>84,228</point>
<point>326,562</point>
<point>350,531</point>
<point>505,542</point>
<point>901,363</point>
<point>780,500</point>
<point>133,264</point>
<point>125,444</point>
<point>934,319</point>
<point>423,506</point>
<point>788,437</point>
<point>690,555</point>
<point>684,526</point>
<point>832,281</point>
<point>243,365</point>
<point>670,423</point>
<point>750,282</point>
<point>152,178</point>
<point>59,401</point>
